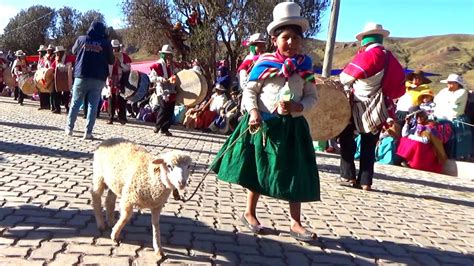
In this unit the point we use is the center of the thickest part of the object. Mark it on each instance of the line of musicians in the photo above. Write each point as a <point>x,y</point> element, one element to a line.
<point>54,77</point>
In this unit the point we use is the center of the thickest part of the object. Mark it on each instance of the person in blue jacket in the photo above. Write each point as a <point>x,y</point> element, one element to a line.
<point>93,56</point>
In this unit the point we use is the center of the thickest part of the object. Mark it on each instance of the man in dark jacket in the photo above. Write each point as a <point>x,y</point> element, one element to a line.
<point>93,56</point>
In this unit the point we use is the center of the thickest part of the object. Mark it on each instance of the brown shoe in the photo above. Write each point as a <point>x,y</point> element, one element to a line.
<point>109,122</point>
<point>366,188</point>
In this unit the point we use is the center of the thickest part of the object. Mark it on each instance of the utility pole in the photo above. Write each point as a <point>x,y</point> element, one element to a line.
<point>327,64</point>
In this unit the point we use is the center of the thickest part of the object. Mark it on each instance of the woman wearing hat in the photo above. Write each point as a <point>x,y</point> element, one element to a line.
<point>210,110</point>
<point>450,106</point>
<point>415,84</point>
<point>20,67</point>
<point>120,68</point>
<point>256,44</point>
<point>163,74</point>
<point>43,96</point>
<point>279,160</point>
<point>60,63</point>
<point>49,56</point>
<point>420,145</point>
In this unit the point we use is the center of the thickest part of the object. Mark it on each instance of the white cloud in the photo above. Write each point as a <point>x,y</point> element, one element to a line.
<point>8,12</point>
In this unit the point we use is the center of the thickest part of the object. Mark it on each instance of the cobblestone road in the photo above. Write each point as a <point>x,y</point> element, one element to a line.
<point>412,217</point>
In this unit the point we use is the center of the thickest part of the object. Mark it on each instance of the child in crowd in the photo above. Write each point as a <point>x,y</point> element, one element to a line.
<point>420,145</point>
<point>427,104</point>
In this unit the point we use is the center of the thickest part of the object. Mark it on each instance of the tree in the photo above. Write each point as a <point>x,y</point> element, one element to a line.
<point>29,28</point>
<point>67,27</point>
<point>147,20</point>
<point>86,19</point>
<point>225,23</point>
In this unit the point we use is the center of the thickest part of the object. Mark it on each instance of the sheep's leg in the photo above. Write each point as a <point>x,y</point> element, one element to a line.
<point>126,212</point>
<point>110,207</point>
<point>155,221</point>
<point>97,189</point>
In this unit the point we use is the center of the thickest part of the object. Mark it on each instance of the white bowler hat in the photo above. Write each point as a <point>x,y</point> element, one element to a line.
<point>50,47</point>
<point>287,13</point>
<point>372,28</point>
<point>115,43</point>
<point>19,53</point>
<point>42,48</point>
<point>59,48</point>
<point>257,38</point>
<point>454,78</point>
<point>166,49</point>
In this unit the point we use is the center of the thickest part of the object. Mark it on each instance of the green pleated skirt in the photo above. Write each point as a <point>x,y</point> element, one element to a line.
<point>278,161</point>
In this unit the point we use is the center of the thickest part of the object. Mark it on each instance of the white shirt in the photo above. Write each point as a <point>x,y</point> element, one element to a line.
<point>450,104</point>
<point>264,94</point>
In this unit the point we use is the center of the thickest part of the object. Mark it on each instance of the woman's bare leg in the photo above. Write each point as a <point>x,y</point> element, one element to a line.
<point>295,217</point>
<point>250,210</point>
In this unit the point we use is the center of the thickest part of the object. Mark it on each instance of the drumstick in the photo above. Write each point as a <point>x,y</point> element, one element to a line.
<point>414,113</point>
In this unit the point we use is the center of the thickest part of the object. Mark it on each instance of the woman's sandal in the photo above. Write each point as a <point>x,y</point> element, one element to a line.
<point>346,182</point>
<point>305,237</point>
<point>256,229</point>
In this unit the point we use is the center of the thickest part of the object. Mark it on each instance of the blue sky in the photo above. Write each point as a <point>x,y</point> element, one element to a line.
<point>403,18</point>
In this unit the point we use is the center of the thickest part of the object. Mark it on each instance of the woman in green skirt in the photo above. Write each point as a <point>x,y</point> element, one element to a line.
<point>279,160</point>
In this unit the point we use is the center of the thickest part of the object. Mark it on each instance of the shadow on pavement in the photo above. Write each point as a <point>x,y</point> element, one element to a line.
<point>28,126</point>
<point>335,170</point>
<point>428,197</point>
<point>425,183</point>
<point>194,238</point>
<point>22,148</point>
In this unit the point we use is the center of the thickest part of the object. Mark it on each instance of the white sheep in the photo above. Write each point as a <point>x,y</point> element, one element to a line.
<point>140,180</point>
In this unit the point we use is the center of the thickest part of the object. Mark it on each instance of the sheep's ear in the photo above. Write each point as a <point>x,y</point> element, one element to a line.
<point>158,161</point>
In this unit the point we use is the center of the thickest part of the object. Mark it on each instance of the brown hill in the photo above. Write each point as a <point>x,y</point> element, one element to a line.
<point>443,54</point>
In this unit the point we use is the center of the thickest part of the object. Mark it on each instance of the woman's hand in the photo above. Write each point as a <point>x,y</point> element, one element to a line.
<point>291,106</point>
<point>255,118</point>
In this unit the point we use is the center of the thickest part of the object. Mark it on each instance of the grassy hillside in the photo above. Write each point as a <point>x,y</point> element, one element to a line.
<point>439,54</point>
<point>443,54</point>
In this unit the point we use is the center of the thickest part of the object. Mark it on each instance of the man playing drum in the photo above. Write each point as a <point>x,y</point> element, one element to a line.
<point>164,76</point>
<point>373,78</point>
<point>120,68</point>
<point>20,67</point>
<point>61,63</point>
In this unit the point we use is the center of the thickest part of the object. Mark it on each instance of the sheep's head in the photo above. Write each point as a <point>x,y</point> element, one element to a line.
<point>174,169</point>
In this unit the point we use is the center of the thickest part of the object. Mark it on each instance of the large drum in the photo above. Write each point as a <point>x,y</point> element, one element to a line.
<point>136,86</point>
<point>44,78</point>
<point>191,89</point>
<point>26,82</point>
<point>332,112</point>
<point>63,78</point>
<point>7,78</point>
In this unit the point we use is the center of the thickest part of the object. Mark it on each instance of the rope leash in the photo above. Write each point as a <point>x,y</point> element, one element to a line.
<point>251,129</point>
<point>459,121</point>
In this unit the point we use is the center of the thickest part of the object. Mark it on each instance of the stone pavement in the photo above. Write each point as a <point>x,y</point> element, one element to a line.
<point>411,218</point>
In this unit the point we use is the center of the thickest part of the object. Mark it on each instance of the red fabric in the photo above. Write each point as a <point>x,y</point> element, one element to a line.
<point>159,70</point>
<point>205,119</point>
<point>116,65</point>
<point>68,59</point>
<point>248,63</point>
<point>193,20</point>
<point>32,58</point>
<point>143,66</point>
<point>419,155</point>
<point>368,63</point>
